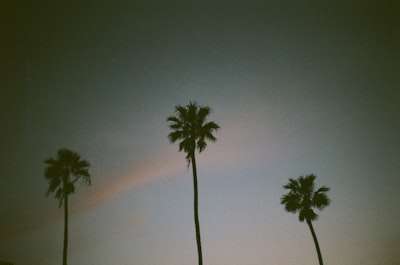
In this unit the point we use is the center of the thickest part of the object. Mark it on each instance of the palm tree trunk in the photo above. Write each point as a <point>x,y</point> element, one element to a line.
<point>196,209</point>
<point>316,242</point>
<point>65,229</point>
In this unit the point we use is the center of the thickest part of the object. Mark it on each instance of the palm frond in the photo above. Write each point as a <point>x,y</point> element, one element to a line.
<point>292,185</point>
<point>302,197</point>
<point>181,111</point>
<point>201,145</point>
<point>320,200</point>
<point>173,119</point>
<point>175,135</point>
<point>186,145</point>
<point>323,189</point>
<point>291,202</point>
<point>60,171</point>
<point>202,115</point>
<point>306,184</point>
<point>192,112</point>
<point>60,196</point>
<point>54,183</point>
<point>307,214</point>
<point>207,130</point>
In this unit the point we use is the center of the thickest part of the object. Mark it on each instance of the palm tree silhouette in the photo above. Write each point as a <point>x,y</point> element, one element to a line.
<point>190,126</point>
<point>302,198</point>
<point>62,173</point>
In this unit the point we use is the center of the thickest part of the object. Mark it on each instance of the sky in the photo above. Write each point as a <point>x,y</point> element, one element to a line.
<point>297,88</point>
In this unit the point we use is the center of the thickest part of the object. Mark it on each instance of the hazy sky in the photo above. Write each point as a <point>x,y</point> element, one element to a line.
<point>296,89</point>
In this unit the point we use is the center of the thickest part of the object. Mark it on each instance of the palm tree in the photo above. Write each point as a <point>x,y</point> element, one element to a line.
<point>191,128</point>
<point>62,173</point>
<point>303,198</point>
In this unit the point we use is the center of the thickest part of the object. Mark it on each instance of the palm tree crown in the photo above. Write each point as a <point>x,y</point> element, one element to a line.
<point>191,127</point>
<point>63,172</point>
<point>303,198</point>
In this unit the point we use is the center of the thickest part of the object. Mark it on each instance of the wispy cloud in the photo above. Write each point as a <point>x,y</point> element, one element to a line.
<point>229,150</point>
<point>110,185</point>
<point>119,181</point>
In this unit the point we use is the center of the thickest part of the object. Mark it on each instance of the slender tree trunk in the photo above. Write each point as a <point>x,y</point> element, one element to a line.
<point>65,230</point>
<point>196,209</point>
<point>316,242</point>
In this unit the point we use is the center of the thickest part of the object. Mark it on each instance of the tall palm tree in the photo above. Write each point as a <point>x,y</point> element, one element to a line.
<point>303,198</point>
<point>191,129</point>
<point>62,173</point>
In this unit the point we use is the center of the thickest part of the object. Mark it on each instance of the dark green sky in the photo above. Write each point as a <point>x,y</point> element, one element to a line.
<point>297,88</point>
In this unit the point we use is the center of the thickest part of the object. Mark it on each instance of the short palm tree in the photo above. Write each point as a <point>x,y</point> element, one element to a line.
<point>62,173</point>
<point>191,129</point>
<point>303,198</point>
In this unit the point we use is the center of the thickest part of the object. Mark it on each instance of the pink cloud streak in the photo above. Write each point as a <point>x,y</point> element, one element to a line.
<point>113,184</point>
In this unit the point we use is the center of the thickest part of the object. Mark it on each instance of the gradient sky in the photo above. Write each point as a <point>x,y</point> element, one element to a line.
<point>296,89</point>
